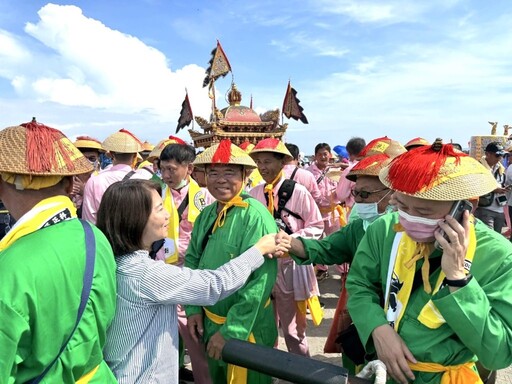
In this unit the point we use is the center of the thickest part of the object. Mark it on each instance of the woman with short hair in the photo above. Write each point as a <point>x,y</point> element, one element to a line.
<point>132,217</point>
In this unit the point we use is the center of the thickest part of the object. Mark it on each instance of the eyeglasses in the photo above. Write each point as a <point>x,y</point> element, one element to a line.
<point>213,175</point>
<point>366,194</point>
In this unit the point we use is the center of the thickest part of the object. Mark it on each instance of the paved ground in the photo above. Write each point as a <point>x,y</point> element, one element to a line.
<point>316,335</point>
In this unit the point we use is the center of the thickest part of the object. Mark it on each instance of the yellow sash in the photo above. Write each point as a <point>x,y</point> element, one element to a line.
<point>88,376</point>
<point>409,251</point>
<point>269,190</point>
<point>317,313</point>
<point>196,203</point>
<point>455,374</point>
<point>47,212</point>
<point>236,374</point>
<point>236,201</point>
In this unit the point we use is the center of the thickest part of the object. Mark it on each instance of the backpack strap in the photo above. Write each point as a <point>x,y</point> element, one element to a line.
<point>284,194</point>
<point>292,176</point>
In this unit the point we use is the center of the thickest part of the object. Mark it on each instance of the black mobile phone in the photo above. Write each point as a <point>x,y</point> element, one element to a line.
<point>456,212</point>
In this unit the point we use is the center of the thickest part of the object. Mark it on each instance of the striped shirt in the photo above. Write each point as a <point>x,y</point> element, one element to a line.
<point>142,342</point>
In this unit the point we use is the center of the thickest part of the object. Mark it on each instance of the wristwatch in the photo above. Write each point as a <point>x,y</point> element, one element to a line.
<point>458,283</point>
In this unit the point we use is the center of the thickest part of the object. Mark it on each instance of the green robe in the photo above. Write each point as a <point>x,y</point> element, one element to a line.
<point>478,316</point>
<point>40,287</point>
<point>248,310</point>
<point>337,248</point>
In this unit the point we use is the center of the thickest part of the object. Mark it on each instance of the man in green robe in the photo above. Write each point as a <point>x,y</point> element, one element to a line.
<point>446,284</point>
<point>224,230</point>
<point>42,264</point>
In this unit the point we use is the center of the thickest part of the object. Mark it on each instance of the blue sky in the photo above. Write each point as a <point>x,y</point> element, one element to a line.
<point>438,68</point>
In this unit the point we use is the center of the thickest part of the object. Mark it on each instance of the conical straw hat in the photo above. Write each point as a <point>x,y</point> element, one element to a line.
<point>122,141</point>
<point>224,153</point>
<point>38,150</point>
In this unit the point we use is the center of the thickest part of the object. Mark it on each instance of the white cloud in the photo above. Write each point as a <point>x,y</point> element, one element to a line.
<point>103,68</point>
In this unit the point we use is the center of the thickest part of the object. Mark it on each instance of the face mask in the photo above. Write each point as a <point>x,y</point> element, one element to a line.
<point>419,229</point>
<point>370,211</point>
<point>181,184</point>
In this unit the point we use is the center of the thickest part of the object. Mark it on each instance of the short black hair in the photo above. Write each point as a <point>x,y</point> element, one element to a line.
<point>294,150</point>
<point>355,145</point>
<point>122,225</point>
<point>321,146</point>
<point>181,153</point>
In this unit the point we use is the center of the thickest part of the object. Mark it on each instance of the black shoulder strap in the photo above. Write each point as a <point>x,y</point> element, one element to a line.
<point>182,207</point>
<point>321,177</point>
<point>90,257</point>
<point>128,175</point>
<point>292,176</point>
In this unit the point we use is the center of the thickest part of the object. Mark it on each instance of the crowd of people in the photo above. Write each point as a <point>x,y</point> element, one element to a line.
<point>113,270</point>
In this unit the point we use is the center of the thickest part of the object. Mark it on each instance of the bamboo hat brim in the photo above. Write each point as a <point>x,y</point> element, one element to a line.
<point>273,146</point>
<point>237,157</point>
<point>369,166</point>
<point>62,159</point>
<point>88,144</point>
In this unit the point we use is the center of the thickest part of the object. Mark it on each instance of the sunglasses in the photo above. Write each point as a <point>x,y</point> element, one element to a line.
<point>366,194</point>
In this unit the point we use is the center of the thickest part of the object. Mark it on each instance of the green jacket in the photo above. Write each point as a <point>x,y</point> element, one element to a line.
<point>41,277</point>
<point>478,316</point>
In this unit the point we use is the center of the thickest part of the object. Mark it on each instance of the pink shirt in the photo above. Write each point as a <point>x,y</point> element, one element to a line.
<point>345,187</point>
<point>311,226</point>
<point>303,177</point>
<point>97,185</point>
<point>185,225</point>
<point>327,188</point>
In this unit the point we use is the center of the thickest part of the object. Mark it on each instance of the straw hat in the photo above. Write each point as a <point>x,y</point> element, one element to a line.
<point>416,142</point>
<point>147,146</point>
<point>369,166</point>
<point>385,145</point>
<point>438,172</point>
<point>87,142</point>
<point>274,146</point>
<point>37,150</point>
<point>246,146</point>
<point>157,150</point>
<point>122,141</point>
<point>224,153</point>
<point>334,174</point>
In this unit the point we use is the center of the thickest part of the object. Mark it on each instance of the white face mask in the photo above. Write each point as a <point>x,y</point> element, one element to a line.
<point>181,184</point>
<point>370,211</point>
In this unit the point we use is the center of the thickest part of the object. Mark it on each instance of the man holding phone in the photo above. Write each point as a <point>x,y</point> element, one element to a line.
<point>443,309</point>
<point>490,208</point>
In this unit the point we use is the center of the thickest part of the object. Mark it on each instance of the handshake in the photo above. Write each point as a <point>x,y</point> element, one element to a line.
<point>275,245</point>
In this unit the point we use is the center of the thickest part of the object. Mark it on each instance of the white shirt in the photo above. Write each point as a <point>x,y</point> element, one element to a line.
<point>142,341</point>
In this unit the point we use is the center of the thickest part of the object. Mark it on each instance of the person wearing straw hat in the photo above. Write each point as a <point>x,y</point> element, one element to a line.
<point>222,231</point>
<point>292,171</point>
<point>57,285</point>
<point>373,199</point>
<point>91,149</point>
<point>445,305</point>
<point>184,199</point>
<point>254,178</point>
<point>296,288</point>
<point>123,147</point>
